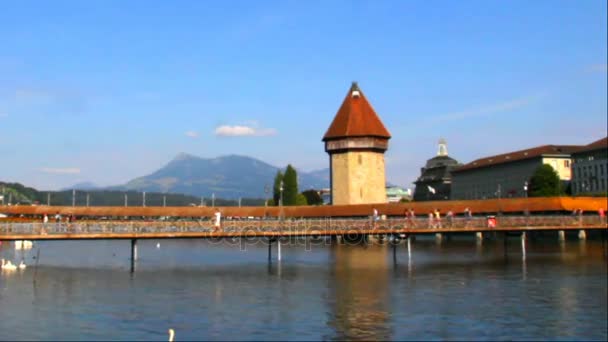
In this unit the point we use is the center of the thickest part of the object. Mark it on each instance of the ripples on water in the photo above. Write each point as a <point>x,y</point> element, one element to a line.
<point>454,290</point>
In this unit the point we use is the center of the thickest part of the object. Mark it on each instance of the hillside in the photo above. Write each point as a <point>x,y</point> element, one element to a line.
<point>227,177</point>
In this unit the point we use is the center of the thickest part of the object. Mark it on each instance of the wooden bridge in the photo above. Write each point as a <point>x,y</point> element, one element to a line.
<point>272,223</point>
<point>116,229</point>
<point>271,230</point>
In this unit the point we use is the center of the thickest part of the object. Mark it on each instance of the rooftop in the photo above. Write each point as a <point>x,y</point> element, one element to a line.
<point>356,118</point>
<point>520,155</point>
<point>601,144</point>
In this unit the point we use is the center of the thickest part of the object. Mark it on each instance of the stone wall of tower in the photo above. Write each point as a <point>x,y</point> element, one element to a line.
<point>357,177</point>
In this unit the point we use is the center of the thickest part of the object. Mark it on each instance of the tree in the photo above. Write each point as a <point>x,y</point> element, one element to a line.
<point>312,197</point>
<point>301,200</point>
<point>545,182</point>
<point>290,186</point>
<point>276,190</point>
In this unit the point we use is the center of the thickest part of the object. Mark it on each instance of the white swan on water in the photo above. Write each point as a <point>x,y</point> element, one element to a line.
<point>171,335</point>
<point>22,265</point>
<point>8,265</point>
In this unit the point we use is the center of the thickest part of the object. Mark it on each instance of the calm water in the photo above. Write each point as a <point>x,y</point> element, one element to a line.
<point>454,290</point>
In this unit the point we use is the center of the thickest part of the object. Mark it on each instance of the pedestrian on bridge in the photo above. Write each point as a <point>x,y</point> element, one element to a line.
<point>375,217</point>
<point>217,225</point>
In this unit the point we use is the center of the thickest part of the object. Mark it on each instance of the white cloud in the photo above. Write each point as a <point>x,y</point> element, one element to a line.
<point>242,130</point>
<point>61,171</point>
<point>598,68</point>
<point>192,134</point>
<point>485,110</point>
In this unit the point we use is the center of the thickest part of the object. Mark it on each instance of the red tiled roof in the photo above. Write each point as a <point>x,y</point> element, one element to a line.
<point>596,145</point>
<point>519,155</point>
<point>356,118</point>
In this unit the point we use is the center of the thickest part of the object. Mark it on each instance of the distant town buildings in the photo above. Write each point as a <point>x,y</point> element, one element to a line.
<point>394,194</point>
<point>590,168</point>
<point>506,175</point>
<point>435,178</point>
<point>356,141</point>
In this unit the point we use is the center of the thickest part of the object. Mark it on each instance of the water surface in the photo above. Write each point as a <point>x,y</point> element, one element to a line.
<point>457,290</point>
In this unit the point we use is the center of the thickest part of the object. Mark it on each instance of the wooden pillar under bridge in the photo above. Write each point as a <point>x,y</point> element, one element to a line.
<point>561,235</point>
<point>133,254</point>
<point>269,249</point>
<point>582,234</point>
<point>438,237</point>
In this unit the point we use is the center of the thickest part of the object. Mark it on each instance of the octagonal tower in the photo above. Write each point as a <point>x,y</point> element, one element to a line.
<point>356,141</point>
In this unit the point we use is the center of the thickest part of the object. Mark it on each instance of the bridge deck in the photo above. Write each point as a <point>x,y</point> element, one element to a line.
<point>95,230</point>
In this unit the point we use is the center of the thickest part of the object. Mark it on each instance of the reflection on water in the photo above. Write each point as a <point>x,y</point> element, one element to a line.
<point>359,293</point>
<point>456,289</point>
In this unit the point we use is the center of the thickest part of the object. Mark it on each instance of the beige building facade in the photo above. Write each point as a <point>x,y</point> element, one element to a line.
<point>358,177</point>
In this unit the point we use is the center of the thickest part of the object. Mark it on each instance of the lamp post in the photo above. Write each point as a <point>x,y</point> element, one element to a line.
<point>143,202</point>
<point>266,191</point>
<point>73,197</point>
<point>281,192</point>
<point>88,198</point>
<point>126,201</point>
<point>281,198</point>
<point>213,200</point>
<point>526,189</point>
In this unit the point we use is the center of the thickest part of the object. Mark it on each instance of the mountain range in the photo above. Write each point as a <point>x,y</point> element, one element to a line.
<point>228,177</point>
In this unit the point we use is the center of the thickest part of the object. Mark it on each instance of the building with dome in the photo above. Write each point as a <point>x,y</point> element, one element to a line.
<point>435,179</point>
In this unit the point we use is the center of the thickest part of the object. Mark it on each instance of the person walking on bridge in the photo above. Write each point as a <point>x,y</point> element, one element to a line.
<point>217,224</point>
<point>375,217</point>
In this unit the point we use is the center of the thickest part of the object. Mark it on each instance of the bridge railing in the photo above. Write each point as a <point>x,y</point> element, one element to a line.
<point>297,225</point>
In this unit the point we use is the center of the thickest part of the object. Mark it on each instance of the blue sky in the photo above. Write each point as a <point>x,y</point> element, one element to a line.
<point>106,91</point>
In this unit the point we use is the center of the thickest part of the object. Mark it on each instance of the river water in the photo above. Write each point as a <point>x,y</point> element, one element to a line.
<point>455,290</point>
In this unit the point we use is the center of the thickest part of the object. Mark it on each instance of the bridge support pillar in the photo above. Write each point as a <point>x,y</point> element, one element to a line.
<point>523,235</point>
<point>133,254</point>
<point>438,237</point>
<point>582,234</point>
<point>279,249</point>
<point>479,236</point>
<point>561,235</point>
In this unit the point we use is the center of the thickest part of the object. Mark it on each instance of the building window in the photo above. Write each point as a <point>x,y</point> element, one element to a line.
<point>590,157</point>
<point>360,160</point>
<point>603,185</point>
<point>602,169</point>
<point>566,163</point>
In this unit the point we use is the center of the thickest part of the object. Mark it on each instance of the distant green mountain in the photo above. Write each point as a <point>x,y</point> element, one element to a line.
<point>228,177</point>
<point>16,193</point>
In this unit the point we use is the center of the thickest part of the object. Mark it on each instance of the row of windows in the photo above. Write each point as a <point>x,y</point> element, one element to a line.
<point>582,172</point>
<point>589,186</point>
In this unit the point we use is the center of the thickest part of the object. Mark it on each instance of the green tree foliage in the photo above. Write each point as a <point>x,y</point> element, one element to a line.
<point>545,182</point>
<point>290,186</point>
<point>301,200</point>
<point>312,197</point>
<point>276,190</point>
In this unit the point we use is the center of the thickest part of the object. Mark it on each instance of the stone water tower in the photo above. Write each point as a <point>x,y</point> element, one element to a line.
<point>356,141</point>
